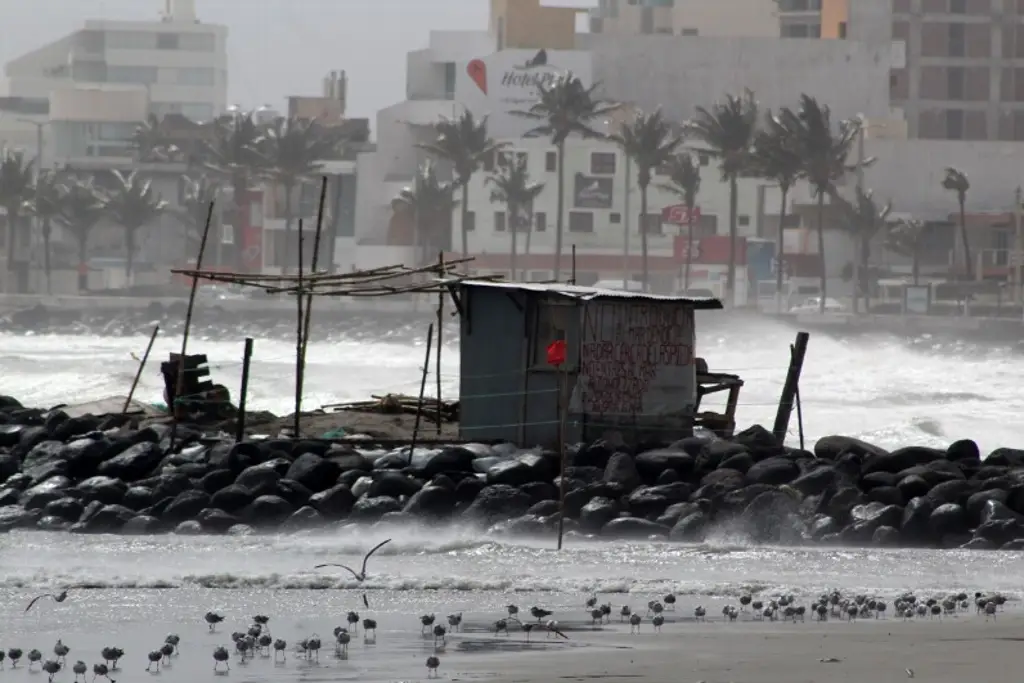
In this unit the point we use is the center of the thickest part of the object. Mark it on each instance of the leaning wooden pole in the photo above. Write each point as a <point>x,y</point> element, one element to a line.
<point>440,336</point>
<point>180,383</point>
<point>296,420</point>
<point>562,452</point>
<point>423,389</point>
<point>316,260</point>
<point>790,388</point>
<point>142,366</point>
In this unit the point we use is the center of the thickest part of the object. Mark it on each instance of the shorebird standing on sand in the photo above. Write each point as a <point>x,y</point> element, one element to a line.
<point>624,612</point>
<point>455,621</point>
<point>60,597</point>
<point>173,639</point>
<point>154,658</point>
<point>634,624</point>
<point>212,618</point>
<point>501,625</point>
<point>61,650</point>
<point>101,670</point>
<point>79,668</point>
<point>369,625</point>
<point>540,613</point>
<point>15,654</point>
<point>551,627</point>
<point>34,657</point>
<point>440,632</point>
<point>51,667</point>
<point>279,649</point>
<point>221,656</point>
<point>427,620</point>
<point>432,663</point>
<point>112,655</point>
<point>353,621</point>
<point>670,601</point>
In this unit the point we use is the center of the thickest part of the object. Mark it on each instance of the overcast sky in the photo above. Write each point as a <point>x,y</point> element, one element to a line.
<point>277,47</point>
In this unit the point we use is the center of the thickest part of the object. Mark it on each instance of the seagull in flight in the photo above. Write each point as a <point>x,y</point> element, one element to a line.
<point>361,576</point>
<point>61,597</point>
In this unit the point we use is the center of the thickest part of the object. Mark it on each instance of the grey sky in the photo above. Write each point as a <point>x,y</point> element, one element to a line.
<point>277,47</point>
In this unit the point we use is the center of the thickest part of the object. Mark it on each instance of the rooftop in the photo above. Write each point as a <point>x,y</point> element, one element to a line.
<point>591,293</point>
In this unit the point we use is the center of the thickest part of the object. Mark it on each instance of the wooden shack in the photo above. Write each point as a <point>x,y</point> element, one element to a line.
<point>630,366</point>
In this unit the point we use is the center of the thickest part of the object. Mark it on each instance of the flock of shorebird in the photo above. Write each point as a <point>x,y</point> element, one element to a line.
<point>257,639</point>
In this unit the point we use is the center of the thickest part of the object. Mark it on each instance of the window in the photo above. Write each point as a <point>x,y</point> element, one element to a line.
<point>954,124</point>
<point>613,9</point>
<point>540,221</point>
<point>489,161</point>
<point>552,324</point>
<point>689,32</point>
<point>704,158</point>
<point>615,218</point>
<point>651,224</point>
<point>517,157</point>
<point>114,131</point>
<point>449,80</point>
<point>197,111</point>
<point>957,6</point>
<point>743,220</point>
<point>130,40</point>
<point>954,83</point>
<point>646,20</point>
<point>499,221</point>
<point>551,162</point>
<point>141,75</point>
<point>470,221</point>
<point>842,30</point>
<point>167,41</point>
<point>602,163</point>
<point>196,76</point>
<point>956,40</point>
<point>197,42</point>
<point>581,221</point>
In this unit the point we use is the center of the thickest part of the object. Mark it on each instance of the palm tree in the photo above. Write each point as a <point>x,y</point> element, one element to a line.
<point>825,155</point>
<point>45,206</point>
<point>565,107</point>
<point>431,202</point>
<point>513,187</point>
<point>233,153</point>
<point>81,208</point>
<point>16,187</point>
<point>150,142</point>
<point>776,157</point>
<point>863,219</point>
<point>462,142</point>
<point>908,238</point>
<point>649,140</point>
<point>195,205</point>
<point>291,150</point>
<point>132,204</point>
<point>956,181</point>
<point>683,172</point>
<point>728,131</point>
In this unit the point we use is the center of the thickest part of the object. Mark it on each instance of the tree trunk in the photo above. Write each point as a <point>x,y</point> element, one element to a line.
<point>780,251</point>
<point>915,266</point>
<point>240,188</point>
<point>513,219</point>
<point>83,269</point>
<point>12,241</point>
<point>46,229</point>
<point>730,276</point>
<point>855,280</point>
<point>529,236</point>
<point>465,218</point>
<point>288,225</point>
<point>560,219</point>
<point>690,206</point>
<point>969,265</point>
<point>821,251</point>
<point>865,272</point>
<point>129,245</point>
<point>643,235</point>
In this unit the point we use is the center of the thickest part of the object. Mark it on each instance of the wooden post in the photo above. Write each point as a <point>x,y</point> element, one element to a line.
<point>799,409</point>
<point>423,388</point>
<point>440,332</point>
<point>563,454</point>
<point>243,391</point>
<point>298,342</point>
<point>138,373</point>
<point>790,388</point>
<point>188,324</point>
<point>316,260</point>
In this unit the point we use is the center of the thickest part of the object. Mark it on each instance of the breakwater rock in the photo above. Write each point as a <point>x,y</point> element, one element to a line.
<point>107,474</point>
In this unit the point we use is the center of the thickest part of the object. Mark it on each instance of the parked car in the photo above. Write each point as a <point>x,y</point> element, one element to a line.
<point>813,305</point>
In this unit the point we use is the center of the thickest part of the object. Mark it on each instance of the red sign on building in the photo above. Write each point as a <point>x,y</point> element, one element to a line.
<point>679,214</point>
<point>712,250</point>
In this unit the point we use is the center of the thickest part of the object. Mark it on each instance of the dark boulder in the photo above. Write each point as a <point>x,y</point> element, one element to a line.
<point>963,450</point>
<point>759,442</point>
<point>596,454</point>
<point>469,488</point>
<point>306,517</point>
<point>432,502</point>
<point>690,529</point>
<point>294,492</point>
<point>186,505</point>
<point>598,512</point>
<point>821,526</point>
<point>257,477</point>
<point>141,524</point>
<point>216,521</point>
<point>977,502</point>
<point>653,500</point>
<point>453,459</point>
<point>831,447</point>
<point>886,495</point>
<point>37,497</point>
<point>189,528</point>
<point>539,490</point>
<point>876,480</point>
<point>133,464</point>
<point>913,486</point>
<point>633,528</point>
<point>314,472</point>
<point>954,491</point>
<point>993,510</point>
<point>44,456</point>
<point>232,498</point>
<point>67,509</point>
<point>393,485</point>
<point>9,466</point>
<point>107,490</point>
<point>498,502</point>
<point>724,480</point>
<point>216,480</point>
<point>650,464</point>
<point>52,523</point>
<point>544,508</point>
<point>138,498</point>
<point>770,518</point>
<point>349,460</point>
<point>839,505</point>
<point>268,511</point>
<point>75,426</point>
<point>773,471</point>
<point>1006,457</point>
<point>622,470</point>
<point>667,477</point>
<point>915,528</point>
<point>108,519</point>
<point>334,503</point>
<point>741,462</point>
<point>371,509</point>
<point>885,537</point>
<point>673,513</point>
<point>14,517</point>
<point>877,514</point>
<point>901,459</point>
<point>84,456</point>
<point>815,480</point>
<point>512,473</point>
<point>947,519</point>
<point>1000,532</point>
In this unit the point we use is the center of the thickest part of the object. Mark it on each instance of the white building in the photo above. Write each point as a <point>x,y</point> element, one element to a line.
<point>686,17</point>
<point>175,65</point>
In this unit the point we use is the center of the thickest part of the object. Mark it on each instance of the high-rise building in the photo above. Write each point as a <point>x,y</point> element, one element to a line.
<point>687,17</point>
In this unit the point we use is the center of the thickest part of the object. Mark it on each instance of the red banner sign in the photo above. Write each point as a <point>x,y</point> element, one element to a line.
<point>679,214</point>
<point>713,250</point>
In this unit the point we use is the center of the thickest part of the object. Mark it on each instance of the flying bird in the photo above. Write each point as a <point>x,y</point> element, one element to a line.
<point>361,576</point>
<point>61,597</point>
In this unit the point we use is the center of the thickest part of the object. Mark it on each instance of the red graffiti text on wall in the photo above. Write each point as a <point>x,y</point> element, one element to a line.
<point>624,348</point>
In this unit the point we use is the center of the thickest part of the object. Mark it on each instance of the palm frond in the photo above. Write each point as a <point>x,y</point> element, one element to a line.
<point>462,141</point>
<point>728,129</point>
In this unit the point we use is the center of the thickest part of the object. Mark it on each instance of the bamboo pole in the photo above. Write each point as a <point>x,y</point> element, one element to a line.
<point>298,343</point>
<point>188,324</point>
<point>138,373</point>
<point>243,390</point>
<point>440,337</point>
<point>563,454</point>
<point>309,297</point>
<point>423,388</point>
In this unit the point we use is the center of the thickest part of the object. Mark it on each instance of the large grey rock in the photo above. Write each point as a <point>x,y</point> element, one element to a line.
<point>633,528</point>
<point>314,472</point>
<point>497,503</point>
<point>622,470</point>
<point>133,464</point>
<point>598,512</point>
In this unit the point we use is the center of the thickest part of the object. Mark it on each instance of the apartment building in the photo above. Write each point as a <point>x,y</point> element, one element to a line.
<point>687,17</point>
<point>177,64</point>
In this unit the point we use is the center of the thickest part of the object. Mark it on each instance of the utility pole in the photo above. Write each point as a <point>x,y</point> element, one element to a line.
<point>39,165</point>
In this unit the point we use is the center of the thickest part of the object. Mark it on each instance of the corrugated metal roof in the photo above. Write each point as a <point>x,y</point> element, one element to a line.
<point>588,293</point>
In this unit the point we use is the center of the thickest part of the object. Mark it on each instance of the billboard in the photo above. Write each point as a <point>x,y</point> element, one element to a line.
<point>506,81</point>
<point>592,192</point>
<point>679,214</point>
